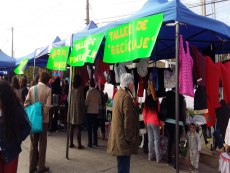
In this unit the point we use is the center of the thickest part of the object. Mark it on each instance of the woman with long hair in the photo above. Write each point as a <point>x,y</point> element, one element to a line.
<point>77,111</point>
<point>152,123</point>
<point>15,85</point>
<point>24,90</point>
<point>14,128</point>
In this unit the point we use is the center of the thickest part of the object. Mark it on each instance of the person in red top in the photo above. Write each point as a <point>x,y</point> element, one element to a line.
<point>153,125</point>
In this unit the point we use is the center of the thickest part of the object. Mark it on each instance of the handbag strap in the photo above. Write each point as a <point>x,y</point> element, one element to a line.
<point>35,94</point>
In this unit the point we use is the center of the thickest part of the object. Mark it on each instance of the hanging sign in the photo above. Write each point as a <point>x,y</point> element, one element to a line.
<point>21,67</point>
<point>132,40</point>
<point>58,58</point>
<point>85,50</point>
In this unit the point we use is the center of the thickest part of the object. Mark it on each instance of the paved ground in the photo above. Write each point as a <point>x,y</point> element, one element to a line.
<point>92,160</point>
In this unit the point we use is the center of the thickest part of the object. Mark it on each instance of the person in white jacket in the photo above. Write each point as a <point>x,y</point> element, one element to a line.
<point>194,146</point>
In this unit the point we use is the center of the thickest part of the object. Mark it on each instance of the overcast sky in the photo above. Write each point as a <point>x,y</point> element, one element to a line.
<point>38,22</point>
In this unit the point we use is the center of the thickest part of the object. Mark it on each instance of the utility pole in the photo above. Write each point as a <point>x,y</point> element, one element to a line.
<point>12,53</point>
<point>203,8</point>
<point>87,12</point>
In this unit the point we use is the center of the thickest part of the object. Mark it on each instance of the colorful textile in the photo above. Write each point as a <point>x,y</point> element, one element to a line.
<point>199,66</point>
<point>83,73</point>
<point>213,81</point>
<point>185,70</point>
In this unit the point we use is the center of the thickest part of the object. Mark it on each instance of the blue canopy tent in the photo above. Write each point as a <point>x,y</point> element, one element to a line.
<point>6,61</point>
<point>178,19</point>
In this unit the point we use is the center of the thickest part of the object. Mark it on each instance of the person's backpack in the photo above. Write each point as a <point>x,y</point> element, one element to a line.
<point>162,114</point>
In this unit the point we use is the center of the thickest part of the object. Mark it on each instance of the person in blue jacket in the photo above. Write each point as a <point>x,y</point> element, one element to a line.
<point>14,128</point>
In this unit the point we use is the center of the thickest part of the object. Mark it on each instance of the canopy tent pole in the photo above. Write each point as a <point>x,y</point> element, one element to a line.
<point>68,114</point>
<point>177,96</point>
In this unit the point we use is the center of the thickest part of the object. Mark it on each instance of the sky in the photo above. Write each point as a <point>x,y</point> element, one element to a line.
<point>37,22</point>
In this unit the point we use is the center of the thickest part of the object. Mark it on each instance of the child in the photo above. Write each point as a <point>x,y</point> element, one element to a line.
<point>63,97</point>
<point>195,147</point>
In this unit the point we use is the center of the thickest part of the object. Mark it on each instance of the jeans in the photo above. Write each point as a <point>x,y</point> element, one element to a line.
<point>154,136</point>
<point>123,164</point>
<point>171,129</point>
<point>219,141</point>
<point>92,126</point>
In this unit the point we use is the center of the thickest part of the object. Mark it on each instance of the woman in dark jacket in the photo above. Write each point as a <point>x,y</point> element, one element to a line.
<point>14,128</point>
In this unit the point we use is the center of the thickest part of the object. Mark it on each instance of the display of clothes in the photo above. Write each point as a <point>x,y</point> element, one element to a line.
<point>170,78</point>
<point>119,70</point>
<point>185,70</point>
<point>199,66</point>
<point>161,89</point>
<point>83,73</point>
<point>140,90</point>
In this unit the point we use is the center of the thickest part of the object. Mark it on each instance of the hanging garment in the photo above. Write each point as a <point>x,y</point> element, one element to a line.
<point>161,89</point>
<point>222,116</point>
<point>155,78</point>
<point>105,72</point>
<point>140,87</point>
<point>225,79</point>
<point>97,73</point>
<point>170,78</point>
<point>153,91</point>
<point>185,70</point>
<point>142,68</point>
<point>210,116</point>
<point>199,66</point>
<point>91,72</point>
<point>119,70</point>
<point>213,81</point>
<point>200,101</point>
<point>83,73</point>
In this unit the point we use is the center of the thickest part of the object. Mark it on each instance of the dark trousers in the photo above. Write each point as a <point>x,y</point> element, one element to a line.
<point>85,118</point>
<point>92,126</point>
<point>41,139</point>
<point>219,141</point>
<point>10,167</point>
<point>171,129</point>
<point>123,164</point>
<point>101,123</point>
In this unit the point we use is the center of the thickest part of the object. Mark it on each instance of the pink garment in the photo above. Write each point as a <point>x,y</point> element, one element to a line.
<point>62,100</point>
<point>185,70</point>
<point>97,73</point>
<point>151,117</point>
<point>83,73</point>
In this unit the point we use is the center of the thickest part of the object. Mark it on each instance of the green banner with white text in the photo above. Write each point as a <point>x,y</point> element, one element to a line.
<point>21,67</point>
<point>58,58</point>
<point>85,50</point>
<point>132,40</point>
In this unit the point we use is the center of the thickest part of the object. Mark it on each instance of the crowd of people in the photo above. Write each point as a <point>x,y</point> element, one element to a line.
<point>88,108</point>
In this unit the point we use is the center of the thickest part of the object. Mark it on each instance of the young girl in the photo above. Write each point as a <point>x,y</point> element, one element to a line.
<point>152,123</point>
<point>63,97</point>
<point>194,146</point>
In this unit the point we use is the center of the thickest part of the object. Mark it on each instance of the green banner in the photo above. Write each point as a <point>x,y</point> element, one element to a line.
<point>58,58</point>
<point>21,67</point>
<point>132,40</point>
<point>85,50</point>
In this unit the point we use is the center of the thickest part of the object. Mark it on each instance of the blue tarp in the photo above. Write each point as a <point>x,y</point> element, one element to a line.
<point>5,60</point>
<point>175,11</point>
